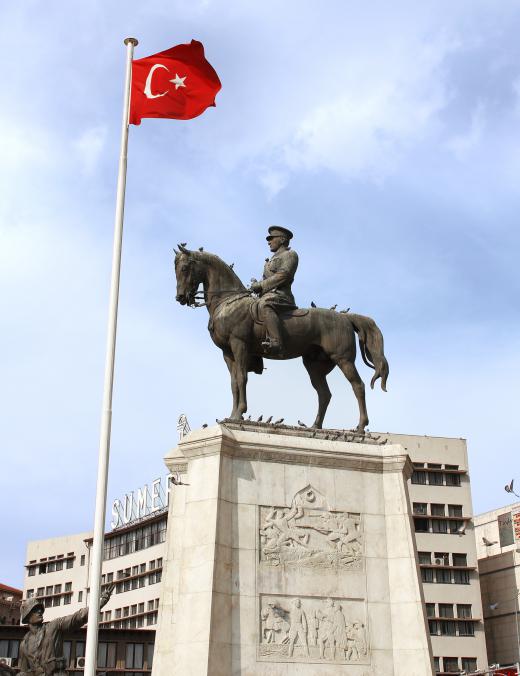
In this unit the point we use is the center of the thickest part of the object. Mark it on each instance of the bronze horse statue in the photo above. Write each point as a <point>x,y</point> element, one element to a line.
<point>322,338</point>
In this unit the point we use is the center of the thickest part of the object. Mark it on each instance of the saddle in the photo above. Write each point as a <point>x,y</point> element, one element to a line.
<point>286,314</point>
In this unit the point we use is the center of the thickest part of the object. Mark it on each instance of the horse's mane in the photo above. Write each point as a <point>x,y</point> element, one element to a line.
<point>216,262</point>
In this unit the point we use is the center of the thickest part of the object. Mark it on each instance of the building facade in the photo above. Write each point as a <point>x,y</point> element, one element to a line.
<point>10,602</point>
<point>440,494</point>
<point>497,535</point>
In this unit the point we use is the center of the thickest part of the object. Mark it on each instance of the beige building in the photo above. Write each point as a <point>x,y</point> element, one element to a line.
<point>498,552</point>
<point>57,569</point>
<point>440,494</point>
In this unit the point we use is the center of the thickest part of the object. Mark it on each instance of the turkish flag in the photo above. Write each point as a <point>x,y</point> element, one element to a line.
<point>178,83</point>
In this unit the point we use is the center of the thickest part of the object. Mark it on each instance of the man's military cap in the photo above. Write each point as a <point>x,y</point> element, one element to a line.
<point>278,231</point>
<point>28,607</point>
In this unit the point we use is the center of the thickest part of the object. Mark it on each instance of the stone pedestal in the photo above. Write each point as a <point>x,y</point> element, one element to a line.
<point>289,554</point>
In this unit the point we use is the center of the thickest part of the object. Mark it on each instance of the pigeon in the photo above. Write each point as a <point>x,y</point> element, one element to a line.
<point>313,304</point>
<point>509,488</point>
<point>301,424</point>
<point>279,421</point>
<point>204,426</point>
<point>249,417</point>
<point>333,307</point>
<point>260,418</point>
<point>176,480</point>
<point>461,529</point>
<point>488,543</point>
<point>231,265</point>
<point>269,419</point>
<point>183,243</point>
<point>201,248</point>
<point>344,312</point>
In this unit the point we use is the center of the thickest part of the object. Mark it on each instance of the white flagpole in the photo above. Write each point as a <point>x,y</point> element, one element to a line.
<point>106,420</point>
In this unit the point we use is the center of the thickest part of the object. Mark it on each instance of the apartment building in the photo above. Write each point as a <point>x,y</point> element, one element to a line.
<point>497,535</point>
<point>440,495</point>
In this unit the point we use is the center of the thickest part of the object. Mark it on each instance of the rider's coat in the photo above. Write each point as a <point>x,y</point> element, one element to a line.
<point>278,277</point>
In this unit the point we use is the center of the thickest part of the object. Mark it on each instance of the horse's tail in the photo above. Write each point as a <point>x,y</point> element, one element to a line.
<point>371,346</point>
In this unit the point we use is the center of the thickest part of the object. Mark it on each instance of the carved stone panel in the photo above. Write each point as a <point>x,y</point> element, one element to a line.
<point>312,629</point>
<point>310,535</point>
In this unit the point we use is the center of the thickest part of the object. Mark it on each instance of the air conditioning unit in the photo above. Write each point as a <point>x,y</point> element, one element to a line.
<point>438,561</point>
<point>80,662</point>
<point>7,661</point>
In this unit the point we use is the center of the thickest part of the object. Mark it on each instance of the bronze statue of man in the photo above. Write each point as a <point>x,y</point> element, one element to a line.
<point>275,288</point>
<point>41,651</point>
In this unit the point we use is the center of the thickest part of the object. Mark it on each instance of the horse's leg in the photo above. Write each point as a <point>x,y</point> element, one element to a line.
<point>230,363</point>
<point>240,359</point>
<point>318,371</point>
<point>351,372</point>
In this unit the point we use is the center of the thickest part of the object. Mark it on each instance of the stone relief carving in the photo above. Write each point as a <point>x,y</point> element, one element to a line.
<point>310,535</point>
<point>306,629</point>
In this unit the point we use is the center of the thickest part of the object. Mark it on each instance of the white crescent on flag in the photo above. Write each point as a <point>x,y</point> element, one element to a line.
<point>177,81</point>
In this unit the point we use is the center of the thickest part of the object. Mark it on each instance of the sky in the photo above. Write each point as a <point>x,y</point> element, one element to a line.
<point>384,135</point>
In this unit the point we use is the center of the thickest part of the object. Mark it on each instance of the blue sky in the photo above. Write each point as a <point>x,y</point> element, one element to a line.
<point>386,136</point>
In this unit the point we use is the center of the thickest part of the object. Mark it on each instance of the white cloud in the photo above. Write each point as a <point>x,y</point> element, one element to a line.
<point>462,144</point>
<point>89,148</point>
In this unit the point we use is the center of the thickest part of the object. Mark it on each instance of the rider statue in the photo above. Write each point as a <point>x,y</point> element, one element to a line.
<point>275,288</point>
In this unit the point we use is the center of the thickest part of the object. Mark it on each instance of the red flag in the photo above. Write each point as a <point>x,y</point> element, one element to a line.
<point>178,83</point>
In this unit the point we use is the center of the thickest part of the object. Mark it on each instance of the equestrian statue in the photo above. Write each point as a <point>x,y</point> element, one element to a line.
<point>263,321</point>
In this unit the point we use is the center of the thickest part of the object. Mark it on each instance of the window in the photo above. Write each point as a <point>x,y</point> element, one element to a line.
<point>42,568</point>
<point>430,609</point>
<point>159,562</point>
<point>436,664</point>
<point>421,525</point>
<point>460,560</point>
<point>67,650</point>
<point>469,663</point>
<point>466,628</point>
<point>150,605</point>
<point>142,580</point>
<point>118,613</point>
<point>142,568</point>
<point>151,618</point>
<point>443,576</point>
<point>70,561</point>
<point>80,648</point>
<point>463,610</point>
<point>149,655</point>
<point>9,648</point>
<point>47,602</point>
<point>135,570</point>
<point>135,539</point>
<point>68,586</point>
<point>425,557</point>
<point>448,628</point>
<point>134,656</point>
<point>451,664</point>
<point>30,593</point>
<point>434,627</point>
<point>67,599</point>
<point>439,526</point>
<point>433,465</point>
<point>153,578</point>
<point>126,611</point>
<point>40,591</point>
<point>461,576</point>
<point>441,558</point>
<point>57,588</point>
<point>48,590</point>
<point>419,477</point>
<point>80,596</point>
<point>82,560</point>
<point>56,600</point>
<point>51,566</point>
<point>455,510</point>
<point>110,577</point>
<point>452,479</point>
<point>141,608</point>
<point>427,574</point>
<point>436,509</point>
<point>106,654</point>
<point>59,565</point>
<point>419,508</point>
<point>133,609</point>
<point>31,571</point>
<point>435,478</point>
<point>446,610</point>
<point>151,565</point>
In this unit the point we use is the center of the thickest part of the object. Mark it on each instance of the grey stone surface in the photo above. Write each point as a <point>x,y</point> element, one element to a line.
<point>289,554</point>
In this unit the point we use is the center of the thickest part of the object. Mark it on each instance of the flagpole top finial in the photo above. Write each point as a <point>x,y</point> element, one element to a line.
<point>132,41</point>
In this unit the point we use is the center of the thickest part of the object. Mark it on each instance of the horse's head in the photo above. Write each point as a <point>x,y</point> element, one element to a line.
<point>190,275</point>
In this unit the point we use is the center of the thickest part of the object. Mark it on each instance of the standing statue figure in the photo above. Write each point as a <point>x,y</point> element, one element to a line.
<point>275,288</point>
<point>41,651</point>
<point>299,628</point>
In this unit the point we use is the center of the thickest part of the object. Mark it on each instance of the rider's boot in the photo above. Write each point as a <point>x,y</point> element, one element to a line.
<point>273,343</point>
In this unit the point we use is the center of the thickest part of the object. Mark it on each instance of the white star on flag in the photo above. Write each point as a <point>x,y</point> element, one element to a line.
<point>178,81</point>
